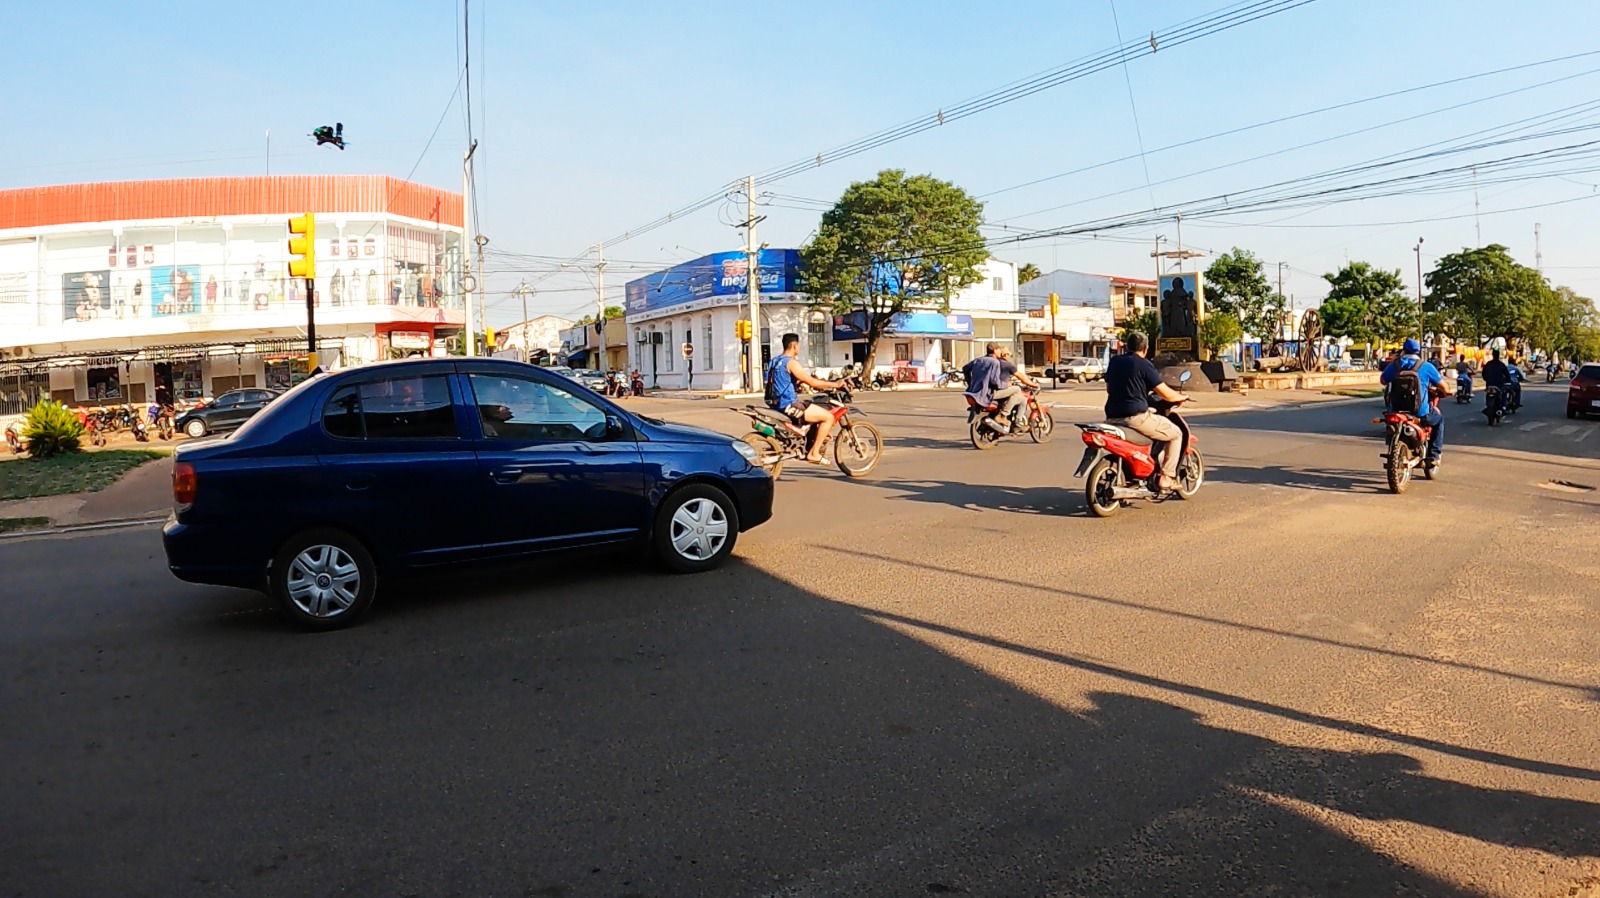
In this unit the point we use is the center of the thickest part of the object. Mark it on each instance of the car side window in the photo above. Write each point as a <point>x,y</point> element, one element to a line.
<point>226,401</point>
<point>397,408</point>
<point>516,408</point>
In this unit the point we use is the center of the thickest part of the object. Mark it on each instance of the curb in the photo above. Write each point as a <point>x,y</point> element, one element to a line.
<point>120,524</point>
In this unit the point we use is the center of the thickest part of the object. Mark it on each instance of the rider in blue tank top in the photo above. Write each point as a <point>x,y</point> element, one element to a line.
<point>781,376</point>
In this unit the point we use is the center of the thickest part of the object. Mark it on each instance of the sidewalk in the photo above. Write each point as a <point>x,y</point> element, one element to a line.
<point>144,493</point>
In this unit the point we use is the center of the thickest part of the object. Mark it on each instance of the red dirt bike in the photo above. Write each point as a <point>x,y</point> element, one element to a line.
<point>1121,471</point>
<point>857,445</point>
<point>1406,437</point>
<point>983,422</point>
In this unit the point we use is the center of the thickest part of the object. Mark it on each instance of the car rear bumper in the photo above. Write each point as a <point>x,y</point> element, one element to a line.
<point>194,553</point>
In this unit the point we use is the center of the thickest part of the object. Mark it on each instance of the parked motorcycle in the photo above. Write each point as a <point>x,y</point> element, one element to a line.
<point>1496,405</point>
<point>952,377</point>
<point>1463,389</point>
<point>984,425</point>
<point>14,438</point>
<point>162,417</point>
<point>141,430</point>
<point>1121,471</point>
<point>637,384</point>
<point>883,380</point>
<point>857,445</point>
<point>1406,447</point>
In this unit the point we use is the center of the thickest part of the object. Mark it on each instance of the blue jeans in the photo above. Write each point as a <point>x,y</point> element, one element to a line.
<point>1435,420</point>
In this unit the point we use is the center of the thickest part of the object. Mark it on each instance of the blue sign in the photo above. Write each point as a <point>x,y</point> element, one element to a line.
<point>906,324</point>
<point>719,274</point>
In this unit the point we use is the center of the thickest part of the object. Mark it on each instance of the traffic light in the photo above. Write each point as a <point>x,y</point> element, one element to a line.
<point>742,329</point>
<point>1055,305</point>
<point>304,246</point>
<point>488,337</point>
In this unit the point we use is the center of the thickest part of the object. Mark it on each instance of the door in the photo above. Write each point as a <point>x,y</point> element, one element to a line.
<point>555,467</point>
<point>224,413</point>
<point>395,467</point>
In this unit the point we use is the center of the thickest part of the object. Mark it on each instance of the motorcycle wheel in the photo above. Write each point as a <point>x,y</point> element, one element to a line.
<point>1042,428</point>
<point>97,438</point>
<point>1191,474</point>
<point>983,437</point>
<point>857,448</point>
<point>765,445</point>
<point>1398,467</point>
<point>1098,489</point>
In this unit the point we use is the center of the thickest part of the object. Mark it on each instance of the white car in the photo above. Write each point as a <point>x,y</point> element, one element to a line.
<point>1080,369</point>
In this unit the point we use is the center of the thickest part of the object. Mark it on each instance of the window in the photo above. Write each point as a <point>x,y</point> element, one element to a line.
<point>515,408</point>
<point>401,408</point>
<point>902,352</point>
<point>705,350</point>
<point>671,347</point>
<point>226,401</point>
<point>816,344</point>
<point>999,284</point>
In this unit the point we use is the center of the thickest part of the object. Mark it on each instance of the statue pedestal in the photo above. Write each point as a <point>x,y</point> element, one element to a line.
<point>1198,382</point>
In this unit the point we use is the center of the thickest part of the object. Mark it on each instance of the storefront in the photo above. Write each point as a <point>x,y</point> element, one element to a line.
<point>917,345</point>
<point>1076,331</point>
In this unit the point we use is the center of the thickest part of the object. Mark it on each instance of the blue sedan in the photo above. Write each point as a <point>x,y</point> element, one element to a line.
<point>360,475</point>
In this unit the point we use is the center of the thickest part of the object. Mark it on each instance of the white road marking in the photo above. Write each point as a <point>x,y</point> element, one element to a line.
<point>1531,425</point>
<point>1566,429</point>
<point>1584,436</point>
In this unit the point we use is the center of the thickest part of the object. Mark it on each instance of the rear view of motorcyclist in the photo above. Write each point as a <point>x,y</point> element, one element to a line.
<point>1432,385</point>
<point>989,382</point>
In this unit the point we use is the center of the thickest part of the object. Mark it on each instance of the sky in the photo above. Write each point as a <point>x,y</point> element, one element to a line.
<point>594,119</point>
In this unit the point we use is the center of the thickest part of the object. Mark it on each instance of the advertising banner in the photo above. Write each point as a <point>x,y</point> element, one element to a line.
<point>716,275</point>
<point>172,290</point>
<point>85,295</point>
<point>1183,305</point>
<point>853,326</point>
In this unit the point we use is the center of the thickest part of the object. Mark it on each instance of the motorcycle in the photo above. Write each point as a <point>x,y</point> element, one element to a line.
<point>1406,441</point>
<point>1121,471</point>
<point>637,384</point>
<point>162,417</point>
<point>952,377</point>
<point>857,445</point>
<point>1463,389</point>
<point>14,438</point>
<point>983,422</point>
<point>1496,405</point>
<point>883,380</point>
<point>141,430</point>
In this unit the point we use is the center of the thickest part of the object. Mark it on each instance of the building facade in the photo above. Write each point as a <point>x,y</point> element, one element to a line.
<point>1085,321</point>
<point>108,291</point>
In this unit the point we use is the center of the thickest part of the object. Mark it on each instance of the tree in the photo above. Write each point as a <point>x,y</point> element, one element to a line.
<point>1147,322</point>
<point>1484,293</point>
<point>614,312</point>
<point>893,244</point>
<point>1028,273</point>
<point>1219,331</point>
<point>1579,338</point>
<point>1236,285</point>
<point>1366,303</point>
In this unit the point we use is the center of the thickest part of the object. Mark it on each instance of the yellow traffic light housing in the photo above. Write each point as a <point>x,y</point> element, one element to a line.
<point>488,334</point>
<point>1055,304</point>
<point>304,246</point>
<point>742,329</point>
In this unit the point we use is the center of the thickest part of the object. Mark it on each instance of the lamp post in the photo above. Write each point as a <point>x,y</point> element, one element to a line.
<point>1420,323</point>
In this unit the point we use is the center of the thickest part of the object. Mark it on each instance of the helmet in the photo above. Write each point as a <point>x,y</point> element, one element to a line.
<point>1410,345</point>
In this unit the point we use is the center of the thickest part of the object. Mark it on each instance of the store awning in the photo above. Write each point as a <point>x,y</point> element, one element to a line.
<point>577,358</point>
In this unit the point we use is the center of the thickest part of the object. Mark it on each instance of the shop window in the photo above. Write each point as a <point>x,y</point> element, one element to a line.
<point>516,408</point>
<point>817,344</point>
<point>902,352</point>
<point>105,383</point>
<point>671,348</point>
<point>705,352</point>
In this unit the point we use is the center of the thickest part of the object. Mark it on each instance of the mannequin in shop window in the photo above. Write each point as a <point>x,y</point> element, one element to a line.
<point>374,287</point>
<point>336,288</point>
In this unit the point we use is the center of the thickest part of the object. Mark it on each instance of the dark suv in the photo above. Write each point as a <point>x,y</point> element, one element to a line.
<point>354,476</point>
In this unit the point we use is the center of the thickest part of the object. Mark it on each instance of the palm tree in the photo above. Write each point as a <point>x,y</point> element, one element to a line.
<point>1027,273</point>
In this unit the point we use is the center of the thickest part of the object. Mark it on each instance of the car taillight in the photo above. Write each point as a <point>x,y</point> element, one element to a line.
<point>185,483</point>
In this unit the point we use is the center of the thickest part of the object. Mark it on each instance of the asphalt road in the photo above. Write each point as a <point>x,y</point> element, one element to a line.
<point>946,679</point>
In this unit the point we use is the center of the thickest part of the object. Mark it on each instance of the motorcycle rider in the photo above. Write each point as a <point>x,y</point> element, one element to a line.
<point>1463,375</point>
<point>989,381</point>
<point>782,374</point>
<point>1433,385</point>
<point>1515,370</point>
<point>1496,374</point>
<point>1130,379</point>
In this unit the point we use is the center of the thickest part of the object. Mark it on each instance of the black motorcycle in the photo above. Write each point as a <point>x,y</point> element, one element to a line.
<point>1496,405</point>
<point>1463,389</point>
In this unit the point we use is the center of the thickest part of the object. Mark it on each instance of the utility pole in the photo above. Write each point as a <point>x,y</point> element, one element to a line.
<point>1477,222</point>
<point>522,291</point>
<point>1538,254</point>
<point>753,282</point>
<point>468,283</point>
<point>1280,298</point>
<point>482,242</point>
<point>600,303</point>
<point>1419,290</point>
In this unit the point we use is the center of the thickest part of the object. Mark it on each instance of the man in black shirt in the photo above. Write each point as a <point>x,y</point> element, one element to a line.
<point>1130,379</point>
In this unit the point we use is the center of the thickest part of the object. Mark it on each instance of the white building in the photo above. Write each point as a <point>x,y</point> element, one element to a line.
<point>1085,319</point>
<point>110,290</point>
<point>682,323</point>
<point>534,336</point>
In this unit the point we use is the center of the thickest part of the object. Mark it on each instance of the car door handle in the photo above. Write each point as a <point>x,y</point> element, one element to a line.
<point>358,482</point>
<point>514,473</point>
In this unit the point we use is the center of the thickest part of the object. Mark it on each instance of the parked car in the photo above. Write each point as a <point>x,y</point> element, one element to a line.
<point>563,370</point>
<point>355,477</point>
<point>226,412</point>
<point>1583,394</point>
<point>592,379</point>
<point>1080,369</point>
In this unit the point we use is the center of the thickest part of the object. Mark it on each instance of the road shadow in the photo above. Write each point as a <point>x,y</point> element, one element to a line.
<point>597,729</point>
<point>1043,500</point>
<point>1331,480</point>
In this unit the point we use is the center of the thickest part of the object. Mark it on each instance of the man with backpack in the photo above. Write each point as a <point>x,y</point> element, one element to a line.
<point>1414,386</point>
<point>782,374</point>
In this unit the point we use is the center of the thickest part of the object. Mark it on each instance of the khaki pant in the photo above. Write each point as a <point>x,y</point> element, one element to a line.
<point>1160,430</point>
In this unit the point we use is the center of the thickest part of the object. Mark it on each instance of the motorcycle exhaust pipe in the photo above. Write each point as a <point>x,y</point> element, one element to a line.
<point>1131,492</point>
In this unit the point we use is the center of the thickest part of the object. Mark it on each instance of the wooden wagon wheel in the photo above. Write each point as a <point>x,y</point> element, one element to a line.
<point>1311,342</point>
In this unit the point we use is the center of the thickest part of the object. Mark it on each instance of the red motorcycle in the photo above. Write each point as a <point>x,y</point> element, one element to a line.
<point>983,422</point>
<point>1407,439</point>
<point>1121,471</point>
<point>857,445</point>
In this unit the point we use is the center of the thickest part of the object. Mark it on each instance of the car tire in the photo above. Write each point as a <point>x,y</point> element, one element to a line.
<point>696,529</point>
<point>196,428</point>
<point>1572,412</point>
<point>323,579</point>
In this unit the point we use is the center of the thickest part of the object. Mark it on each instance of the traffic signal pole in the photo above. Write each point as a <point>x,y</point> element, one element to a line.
<point>303,243</point>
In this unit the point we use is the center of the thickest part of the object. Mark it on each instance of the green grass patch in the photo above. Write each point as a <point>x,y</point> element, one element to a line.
<point>1355,394</point>
<point>11,525</point>
<point>29,478</point>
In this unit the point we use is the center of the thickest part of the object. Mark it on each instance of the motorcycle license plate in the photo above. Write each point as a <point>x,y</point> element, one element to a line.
<point>1089,455</point>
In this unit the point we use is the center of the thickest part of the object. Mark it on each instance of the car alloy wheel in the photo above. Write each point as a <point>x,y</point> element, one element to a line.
<point>195,428</point>
<point>696,528</point>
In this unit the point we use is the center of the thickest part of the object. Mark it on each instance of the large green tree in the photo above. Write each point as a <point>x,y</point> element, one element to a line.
<point>1219,331</point>
<point>1366,303</point>
<point>893,244</point>
<point>1485,293</point>
<point>1579,326</point>
<point>1236,284</point>
<point>1147,322</point>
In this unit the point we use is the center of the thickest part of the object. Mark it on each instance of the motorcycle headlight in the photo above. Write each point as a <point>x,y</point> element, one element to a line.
<point>746,451</point>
